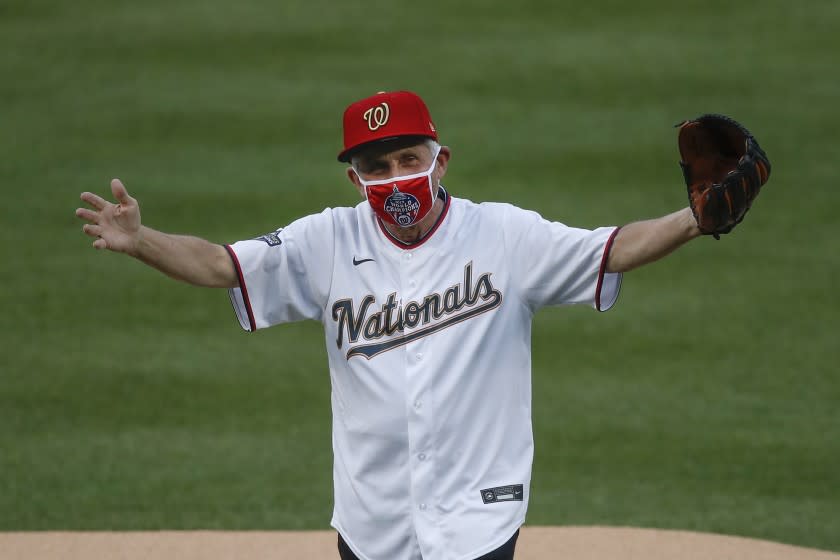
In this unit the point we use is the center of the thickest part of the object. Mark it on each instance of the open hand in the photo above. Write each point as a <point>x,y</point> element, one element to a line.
<point>114,226</point>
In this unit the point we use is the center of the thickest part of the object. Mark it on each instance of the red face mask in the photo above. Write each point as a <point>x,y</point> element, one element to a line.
<point>402,201</point>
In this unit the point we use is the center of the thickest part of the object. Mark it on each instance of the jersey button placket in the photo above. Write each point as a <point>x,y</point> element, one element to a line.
<point>420,429</point>
<point>420,432</point>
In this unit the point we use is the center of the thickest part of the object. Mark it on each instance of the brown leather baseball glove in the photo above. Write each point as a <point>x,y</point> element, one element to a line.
<point>724,169</point>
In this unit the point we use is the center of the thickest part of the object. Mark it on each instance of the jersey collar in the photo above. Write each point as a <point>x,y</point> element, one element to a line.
<point>443,195</point>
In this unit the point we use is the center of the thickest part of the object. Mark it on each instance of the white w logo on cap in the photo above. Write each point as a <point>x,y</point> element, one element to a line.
<point>377,116</point>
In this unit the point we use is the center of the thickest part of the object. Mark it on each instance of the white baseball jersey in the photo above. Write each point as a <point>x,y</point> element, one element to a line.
<point>429,351</point>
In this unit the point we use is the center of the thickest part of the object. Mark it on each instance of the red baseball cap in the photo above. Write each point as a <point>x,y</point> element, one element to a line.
<point>384,116</point>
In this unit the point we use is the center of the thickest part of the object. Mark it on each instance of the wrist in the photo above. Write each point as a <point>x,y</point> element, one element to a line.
<point>138,242</point>
<point>691,228</point>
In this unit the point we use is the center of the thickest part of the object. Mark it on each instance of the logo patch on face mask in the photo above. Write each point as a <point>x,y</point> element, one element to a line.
<point>402,207</point>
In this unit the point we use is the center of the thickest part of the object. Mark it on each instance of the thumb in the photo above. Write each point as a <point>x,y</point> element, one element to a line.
<point>120,192</point>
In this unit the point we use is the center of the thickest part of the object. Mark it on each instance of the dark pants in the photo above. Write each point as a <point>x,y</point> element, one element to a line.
<point>504,552</point>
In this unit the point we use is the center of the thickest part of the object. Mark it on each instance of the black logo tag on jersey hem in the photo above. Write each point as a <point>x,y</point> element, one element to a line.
<point>511,493</point>
<point>357,262</point>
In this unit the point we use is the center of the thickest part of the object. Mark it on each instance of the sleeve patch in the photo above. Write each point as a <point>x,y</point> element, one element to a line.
<point>271,239</point>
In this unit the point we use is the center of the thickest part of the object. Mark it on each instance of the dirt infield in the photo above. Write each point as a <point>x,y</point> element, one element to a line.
<point>535,543</point>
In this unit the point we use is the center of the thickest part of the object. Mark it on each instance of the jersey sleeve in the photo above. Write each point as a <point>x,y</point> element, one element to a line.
<point>557,264</point>
<point>285,275</point>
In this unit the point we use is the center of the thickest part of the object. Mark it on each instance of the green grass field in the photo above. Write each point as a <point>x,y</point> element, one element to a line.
<point>708,399</point>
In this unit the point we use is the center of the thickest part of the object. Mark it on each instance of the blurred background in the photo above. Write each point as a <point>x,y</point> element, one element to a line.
<point>707,399</point>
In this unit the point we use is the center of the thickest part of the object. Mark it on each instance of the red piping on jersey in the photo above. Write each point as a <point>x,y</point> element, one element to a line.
<point>242,287</point>
<point>429,233</point>
<point>603,268</point>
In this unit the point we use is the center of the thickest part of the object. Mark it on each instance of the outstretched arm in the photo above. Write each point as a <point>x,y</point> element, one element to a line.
<point>117,227</point>
<point>643,242</point>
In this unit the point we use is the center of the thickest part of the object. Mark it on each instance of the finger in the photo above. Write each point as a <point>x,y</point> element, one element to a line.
<point>92,230</point>
<point>94,200</point>
<point>120,192</point>
<point>100,244</point>
<point>88,215</point>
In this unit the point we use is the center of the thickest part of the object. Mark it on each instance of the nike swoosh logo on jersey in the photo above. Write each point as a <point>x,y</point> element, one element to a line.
<point>357,262</point>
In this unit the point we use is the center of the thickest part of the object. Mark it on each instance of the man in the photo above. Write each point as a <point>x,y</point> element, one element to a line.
<point>426,301</point>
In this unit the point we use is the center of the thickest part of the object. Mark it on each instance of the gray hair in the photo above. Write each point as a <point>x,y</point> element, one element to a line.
<point>429,142</point>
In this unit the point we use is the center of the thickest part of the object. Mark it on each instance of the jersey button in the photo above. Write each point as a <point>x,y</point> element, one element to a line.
<point>407,256</point>
<point>418,405</point>
<point>419,356</point>
<point>423,507</point>
<point>422,456</point>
